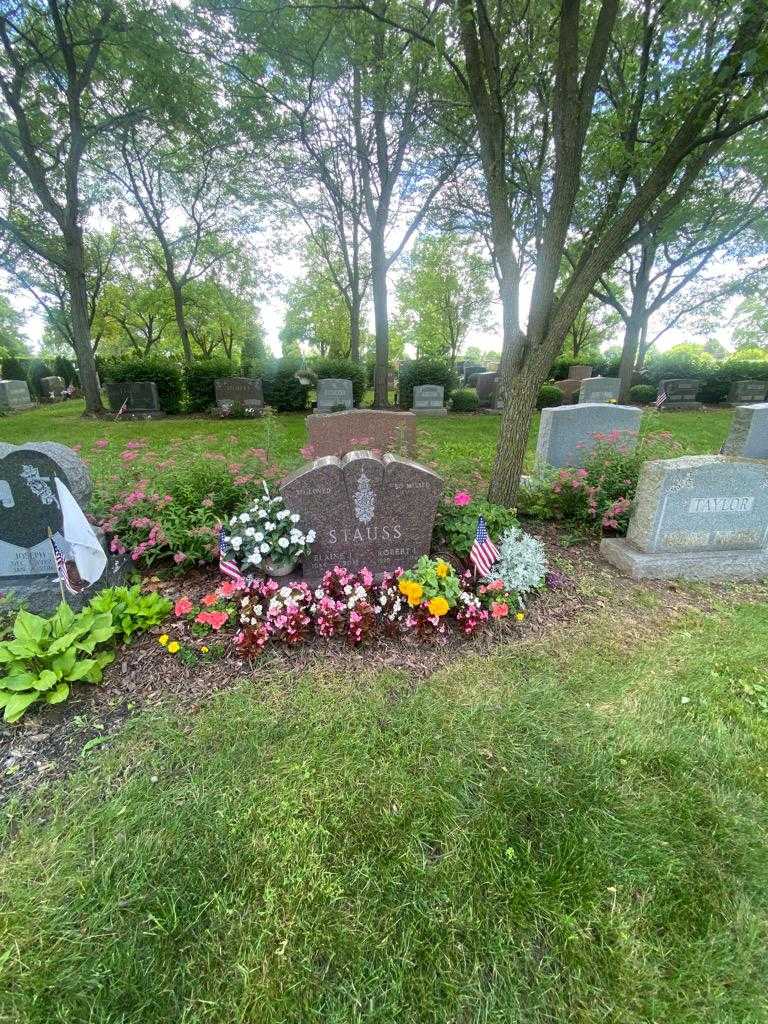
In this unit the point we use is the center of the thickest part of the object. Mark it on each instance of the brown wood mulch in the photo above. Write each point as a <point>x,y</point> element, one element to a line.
<point>52,741</point>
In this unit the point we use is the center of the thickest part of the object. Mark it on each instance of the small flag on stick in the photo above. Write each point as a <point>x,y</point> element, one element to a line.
<point>661,398</point>
<point>484,552</point>
<point>226,566</point>
<point>121,410</point>
<point>69,578</point>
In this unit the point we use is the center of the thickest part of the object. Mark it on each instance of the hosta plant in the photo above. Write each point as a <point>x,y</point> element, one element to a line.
<point>131,611</point>
<point>43,656</point>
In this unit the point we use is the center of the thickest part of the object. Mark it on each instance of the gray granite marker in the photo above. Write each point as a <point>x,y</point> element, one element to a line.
<point>428,400</point>
<point>742,391</point>
<point>334,394</point>
<point>681,394</point>
<point>14,396</point>
<point>749,432</point>
<point>245,391</point>
<point>567,432</point>
<point>699,517</point>
<point>140,398</point>
<point>599,389</point>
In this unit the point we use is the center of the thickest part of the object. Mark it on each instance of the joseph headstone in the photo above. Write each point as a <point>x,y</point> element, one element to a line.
<point>334,394</point>
<point>567,432</point>
<point>14,395</point>
<point>599,389</point>
<point>698,517</point>
<point>748,437</point>
<point>336,433</point>
<point>429,399</point>
<point>366,511</point>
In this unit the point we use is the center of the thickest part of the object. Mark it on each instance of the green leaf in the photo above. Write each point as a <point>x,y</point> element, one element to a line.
<point>21,648</point>
<point>59,693</point>
<point>62,619</point>
<point>31,628</point>
<point>65,662</point>
<point>18,704</point>
<point>46,680</point>
<point>18,681</point>
<point>82,669</point>
<point>63,642</point>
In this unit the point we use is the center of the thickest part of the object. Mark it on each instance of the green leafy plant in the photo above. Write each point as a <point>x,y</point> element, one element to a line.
<point>465,400</point>
<point>457,522</point>
<point>132,612</point>
<point>430,578</point>
<point>643,394</point>
<point>549,396</point>
<point>282,390</point>
<point>200,378</point>
<point>44,656</point>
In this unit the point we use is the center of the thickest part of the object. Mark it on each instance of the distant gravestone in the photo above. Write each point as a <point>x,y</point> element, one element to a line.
<point>334,394</point>
<point>487,385</point>
<point>244,391</point>
<point>29,507</point>
<point>680,394</point>
<point>699,517</point>
<point>429,399</point>
<point>138,397</point>
<point>52,387</point>
<point>567,432</point>
<point>366,511</point>
<point>599,389</point>
<point>337,433</point>
<point>14,395</point>
<point>748,437</point>
<point>577,374</point>
<point>743,391</point>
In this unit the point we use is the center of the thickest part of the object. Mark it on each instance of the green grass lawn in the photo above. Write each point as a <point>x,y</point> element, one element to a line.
<point>462,446</point>
<point>559,833</point>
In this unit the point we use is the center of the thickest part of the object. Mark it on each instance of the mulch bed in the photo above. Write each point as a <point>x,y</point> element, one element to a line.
<point>55,740</point>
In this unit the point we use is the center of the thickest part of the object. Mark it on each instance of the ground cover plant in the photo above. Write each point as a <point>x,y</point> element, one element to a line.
<point>579,829</point>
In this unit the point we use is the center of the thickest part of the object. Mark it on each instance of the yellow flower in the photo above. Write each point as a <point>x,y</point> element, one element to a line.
<point>173,647</point>
<point>203,650</point>
<point>404,585</point>
<point>415,594</point>
<point>442,568</point>
<point>163,640</point>
<point>438,606</point>
<point>520,616</point>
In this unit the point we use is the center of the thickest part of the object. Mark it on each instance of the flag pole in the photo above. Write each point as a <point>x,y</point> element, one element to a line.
<point>58,574</point>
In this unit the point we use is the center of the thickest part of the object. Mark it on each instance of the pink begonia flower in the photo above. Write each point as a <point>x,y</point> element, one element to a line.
<point>128,456</point>
<point>179,557</point>
<point>228,588</point>
<point>499,610</point>
<point>102,442</point>
<point>183,606</point>
<point>462,498</point>
<point>308,451</point>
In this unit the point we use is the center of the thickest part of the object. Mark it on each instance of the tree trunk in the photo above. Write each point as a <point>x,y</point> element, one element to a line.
<point>520,401</point>
<point>181,323</point>
<point>381,317</point>
<point>81,338</point>
<point>354,327</point>
<point>637,323</point>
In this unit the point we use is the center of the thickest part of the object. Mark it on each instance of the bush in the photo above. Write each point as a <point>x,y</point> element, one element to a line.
<point>15,367</point>
<point>681,361</point>
<point>281,389</point>
<point>36,370</point>
<point>343,369</point>
<point>643,394</point>
<point>199,378</point>
<point>465,400</point>
<point>164,372</point>
<point>457,523</point>
<point>424,371</point>
<point>549,396</point>
<point>66,369</point>
<point>736,368</point>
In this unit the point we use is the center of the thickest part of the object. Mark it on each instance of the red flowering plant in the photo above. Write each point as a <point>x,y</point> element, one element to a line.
<point>212,613</point>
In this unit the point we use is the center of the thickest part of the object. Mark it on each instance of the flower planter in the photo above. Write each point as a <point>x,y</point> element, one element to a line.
<point>278,569</point>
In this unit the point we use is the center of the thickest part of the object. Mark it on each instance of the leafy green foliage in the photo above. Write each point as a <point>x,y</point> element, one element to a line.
<point>132,611</point>
<point>344,369</point>
<point>424,371</point>
<point>549,396</point>
<point>456,525</point>
<point>200,378</point>
<point>643,394</point>
<point>436,579</point>
<point>36,370</point>
<point>465,400</point>
<point>164,372</point>
<point>44,656</point>
<point>281,388</point>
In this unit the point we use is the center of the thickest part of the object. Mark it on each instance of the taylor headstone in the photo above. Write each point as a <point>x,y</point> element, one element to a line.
<point>244,391</point>
<point>334,394</point>
<point>569,433</point>
<point>139,397</point>
<point>429,400</point>
<point>337,433</point>
<point>743,391</point>
<point>748,437</point>
<point>599,389</point>
<point>366,511</point>
<point>680,394</point>
<point>698,517</point>
<point>14,395</point>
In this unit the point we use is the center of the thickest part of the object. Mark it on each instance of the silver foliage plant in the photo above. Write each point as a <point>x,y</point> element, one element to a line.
<point>522,563</point>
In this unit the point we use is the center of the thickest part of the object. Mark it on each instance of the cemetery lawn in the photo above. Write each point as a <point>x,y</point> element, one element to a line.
<point>462,446</point>
<point>554,832</point>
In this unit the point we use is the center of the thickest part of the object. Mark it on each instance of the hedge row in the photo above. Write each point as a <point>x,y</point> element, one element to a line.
<point>32,370</point>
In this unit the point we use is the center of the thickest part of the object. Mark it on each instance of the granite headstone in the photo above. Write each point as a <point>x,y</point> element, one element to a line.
<point>139,397</point>
<point>748,437</point>
<point>599,389</point>
<point>742,391</point>
<point>428,399</point>
<point>334,394</point>
<point>567,432</point>
<point>14,395</point>
<point>336,433</point>
<point>577,374</point>
<point>366,511</point>
<point>244,391</point>
<point>680,394</point>
<point>698,517</point>
<point>52,387</point>
<point>487,386</point>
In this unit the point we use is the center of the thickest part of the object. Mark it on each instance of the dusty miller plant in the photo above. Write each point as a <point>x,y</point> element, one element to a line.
<point>522,563</point>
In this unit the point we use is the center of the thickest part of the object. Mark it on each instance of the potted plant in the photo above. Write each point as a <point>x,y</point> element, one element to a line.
<point>267,538</point>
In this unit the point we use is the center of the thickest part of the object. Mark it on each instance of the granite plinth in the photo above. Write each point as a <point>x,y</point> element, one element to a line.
<point>679,565</point>
<point>748,437</point>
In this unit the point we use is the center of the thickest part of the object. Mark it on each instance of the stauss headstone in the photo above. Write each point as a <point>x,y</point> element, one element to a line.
<point>366,511</point>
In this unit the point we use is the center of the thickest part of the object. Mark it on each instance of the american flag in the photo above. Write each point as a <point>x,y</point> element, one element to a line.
<point>121,410</point>
<point>484,552</point>
<point>661,397</point>
<point>226,566</point>
<point>64,572</point>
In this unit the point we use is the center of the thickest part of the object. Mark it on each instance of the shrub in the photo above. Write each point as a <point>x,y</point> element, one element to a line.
<point>132,612</point>
<point>200,377</point>
<point>36,370</point>
<point>281,389</point>
<point>164,372</point>
<point>344,369</point>
<point>681,361</point>
<point>735,368</point>
<point>66,369</point>
<point>457,521</point>
<point>549,396</point>
<point>465,400</point>
<point>643,394</point>
<point>424,371</point>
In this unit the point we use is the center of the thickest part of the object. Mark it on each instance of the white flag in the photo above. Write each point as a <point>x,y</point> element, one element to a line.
<point>87,552</point>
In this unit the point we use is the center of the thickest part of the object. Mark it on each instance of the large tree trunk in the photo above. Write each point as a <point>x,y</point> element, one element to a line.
<point>520,401</point>
<point>637,323</point>
<point>381,317</point>
<point>181,322</point>
<point>354,326</point>
<point>81,337</point>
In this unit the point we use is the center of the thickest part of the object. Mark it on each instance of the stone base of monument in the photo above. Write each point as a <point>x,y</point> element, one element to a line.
<point>143,414</point>
<point>681,407</point>
<point>693,565</point>
<point>430,412</point>
<point>42,595</point>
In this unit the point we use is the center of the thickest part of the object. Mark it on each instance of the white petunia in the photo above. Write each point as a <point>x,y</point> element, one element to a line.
<point>258,537</point>
<point>245,517</point>
<point>269,526</point>
<point>249,531</point>
<point>283,513</point>
<point>283,542</point>
<point>264,548</point>
<point>262,514</point>
<point>310,536</point>
<point>237,543</point>
<point>285,591</point>
<point>295,517</point>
